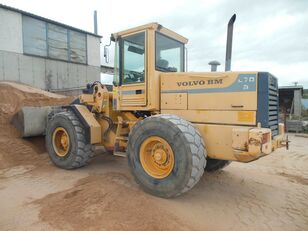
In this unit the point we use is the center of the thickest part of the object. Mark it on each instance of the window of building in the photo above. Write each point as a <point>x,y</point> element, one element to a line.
<point>78,47</point>
<point>57,42</point>
<point>49,40</point>
<point>34,36</point>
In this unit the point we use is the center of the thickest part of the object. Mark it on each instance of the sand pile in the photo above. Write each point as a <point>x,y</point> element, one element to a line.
<point>106,202</point>
<point>13,96</point>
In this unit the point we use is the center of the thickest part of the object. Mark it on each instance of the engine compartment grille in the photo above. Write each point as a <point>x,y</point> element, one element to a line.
<point>268,102</point>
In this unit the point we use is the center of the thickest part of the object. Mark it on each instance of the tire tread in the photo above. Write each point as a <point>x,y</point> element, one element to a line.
<point>196,143</point>
<point>85,151</point>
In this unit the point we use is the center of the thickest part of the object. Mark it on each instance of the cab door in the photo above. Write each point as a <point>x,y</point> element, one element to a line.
<point>133,71</point>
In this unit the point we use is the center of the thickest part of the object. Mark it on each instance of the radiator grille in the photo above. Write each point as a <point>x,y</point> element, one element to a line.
<point>273,105</point>
<point>268,102</point>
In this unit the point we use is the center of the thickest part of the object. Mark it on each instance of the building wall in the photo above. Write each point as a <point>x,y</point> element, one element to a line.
<point>297,101</point>
<point>93,52</point>
<point>10,31</point>
<point>44,73</point>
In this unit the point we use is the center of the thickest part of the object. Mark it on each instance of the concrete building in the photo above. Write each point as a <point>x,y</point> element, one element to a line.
<point>107,69</point>
<point>290,107</point>
<point>107,75</point>
<point>290,100</point>
<point>46,54</point>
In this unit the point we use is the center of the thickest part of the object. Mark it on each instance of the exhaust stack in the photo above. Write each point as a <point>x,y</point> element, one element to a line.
<point>95,22</point>
<point>229,43</point>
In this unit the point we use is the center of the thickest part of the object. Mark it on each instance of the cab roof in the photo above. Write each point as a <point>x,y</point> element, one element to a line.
<point>152,26</point>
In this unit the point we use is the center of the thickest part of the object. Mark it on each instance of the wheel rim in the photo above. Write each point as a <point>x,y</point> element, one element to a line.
<point>156,157</point>
<point>61,141</point>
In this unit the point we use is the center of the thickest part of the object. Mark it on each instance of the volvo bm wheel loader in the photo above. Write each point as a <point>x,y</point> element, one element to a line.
<point>171,124</point>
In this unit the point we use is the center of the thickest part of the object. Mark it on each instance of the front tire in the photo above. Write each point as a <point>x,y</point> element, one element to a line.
<point>166,155</point>
<point>66,143</point>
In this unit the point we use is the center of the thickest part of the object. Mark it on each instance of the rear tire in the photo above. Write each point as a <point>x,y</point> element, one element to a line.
<point>187,148</point>
<point>79,152</point>
<point>215,164</point>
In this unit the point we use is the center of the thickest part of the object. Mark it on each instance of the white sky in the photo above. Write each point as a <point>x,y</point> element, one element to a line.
<point>268,35</point>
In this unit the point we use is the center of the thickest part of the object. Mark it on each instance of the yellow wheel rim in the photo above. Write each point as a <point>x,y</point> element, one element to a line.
<point>61,141</point>
<point>156,157</point>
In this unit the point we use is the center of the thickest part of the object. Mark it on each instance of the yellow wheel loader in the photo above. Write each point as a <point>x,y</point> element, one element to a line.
<point>172,125</point>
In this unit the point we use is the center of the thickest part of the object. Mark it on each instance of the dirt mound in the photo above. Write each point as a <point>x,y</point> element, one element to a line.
<point>106,202</point>
<point>13,96</point>
<point>17,151</point>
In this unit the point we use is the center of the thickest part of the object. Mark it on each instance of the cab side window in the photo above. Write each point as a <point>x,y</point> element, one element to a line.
<point>169,54</point>
<point>133,59</point>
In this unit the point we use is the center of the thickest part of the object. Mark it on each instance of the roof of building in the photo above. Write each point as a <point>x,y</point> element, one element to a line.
<point>107,67</point>
<point>292,87</point>
<point>47,20</point>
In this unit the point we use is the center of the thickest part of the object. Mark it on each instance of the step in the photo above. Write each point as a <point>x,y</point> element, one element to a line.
<point>122,154</point>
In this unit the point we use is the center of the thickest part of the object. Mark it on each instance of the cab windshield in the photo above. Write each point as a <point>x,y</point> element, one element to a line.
<point>169,54</point>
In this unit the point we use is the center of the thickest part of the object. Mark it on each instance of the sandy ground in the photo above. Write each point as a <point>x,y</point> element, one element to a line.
<point>268,194</point>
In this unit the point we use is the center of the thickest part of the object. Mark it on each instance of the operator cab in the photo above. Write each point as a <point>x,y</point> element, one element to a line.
<point>141,54</point>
